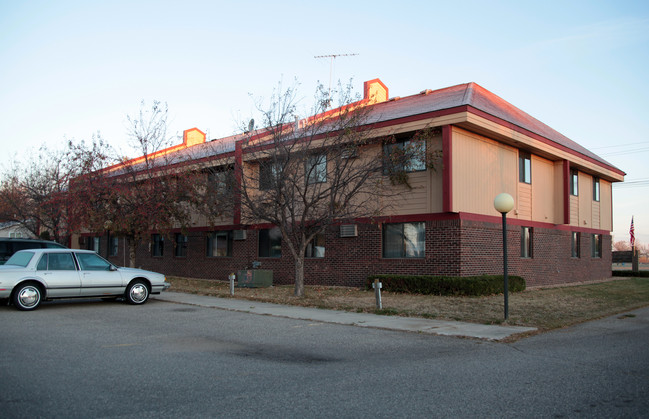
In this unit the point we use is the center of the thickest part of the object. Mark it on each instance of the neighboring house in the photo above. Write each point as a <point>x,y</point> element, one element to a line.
<point>558,232</point>
<point>15,230</point>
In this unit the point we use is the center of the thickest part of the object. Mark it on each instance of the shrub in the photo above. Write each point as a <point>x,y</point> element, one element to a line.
<point>447,285</point>
<point>643,274</point>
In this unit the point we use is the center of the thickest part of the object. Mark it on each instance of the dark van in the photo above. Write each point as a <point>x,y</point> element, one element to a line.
<point>9,246</point>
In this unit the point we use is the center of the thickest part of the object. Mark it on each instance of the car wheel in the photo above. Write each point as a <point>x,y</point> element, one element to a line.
<point>27,296</point>
<point>137,292</point>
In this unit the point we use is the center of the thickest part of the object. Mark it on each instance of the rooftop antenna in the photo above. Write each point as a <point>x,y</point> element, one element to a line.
<point>331,65</point>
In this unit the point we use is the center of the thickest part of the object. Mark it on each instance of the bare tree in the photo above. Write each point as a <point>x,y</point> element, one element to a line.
<point>138,196</point>
<point>35,193</point>
<point>309,174</point>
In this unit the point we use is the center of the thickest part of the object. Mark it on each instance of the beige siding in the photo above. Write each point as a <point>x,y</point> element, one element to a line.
<point>585,201</point>
<point>543,191</point>
<point>482,168</point>
<point>596,214</point>
<point>574,210</point>
<point>559,193</point>
<point>605,205</point>
<point>523,202</point>
<point>426,193</point>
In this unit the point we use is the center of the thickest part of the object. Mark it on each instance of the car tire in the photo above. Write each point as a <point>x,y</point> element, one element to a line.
<point>137,292</point>
<point>27,296</point>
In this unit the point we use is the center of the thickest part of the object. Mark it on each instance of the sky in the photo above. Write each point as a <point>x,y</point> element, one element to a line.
<point>72,69</point>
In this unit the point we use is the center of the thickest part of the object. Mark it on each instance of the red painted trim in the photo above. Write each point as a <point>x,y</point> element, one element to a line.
<point>238,168</point>
<point>566,192</point>
<point>447,169</point>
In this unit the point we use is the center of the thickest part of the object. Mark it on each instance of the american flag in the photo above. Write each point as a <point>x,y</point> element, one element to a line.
<point>632,233</point>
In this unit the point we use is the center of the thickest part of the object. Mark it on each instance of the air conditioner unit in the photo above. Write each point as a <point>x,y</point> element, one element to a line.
<point>240,235</point>
<point>348,230</point>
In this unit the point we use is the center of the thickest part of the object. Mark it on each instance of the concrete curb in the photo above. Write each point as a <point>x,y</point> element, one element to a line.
<point>407,324</point>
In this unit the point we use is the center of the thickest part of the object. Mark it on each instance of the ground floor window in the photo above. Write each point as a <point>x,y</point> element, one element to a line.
<point>404,240</point>
<point>113,246</point>
<point>157,245</point>
<point>526,242</point>
<point>93,244</point>
<point>316,248</point>
<point>180,245</point>
<point>219,244</point>
<point>576,244</point>
<point>596,246</point>
<point>270,243</point>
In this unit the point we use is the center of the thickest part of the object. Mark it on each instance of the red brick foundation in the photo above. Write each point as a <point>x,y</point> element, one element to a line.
<point>455,245</point>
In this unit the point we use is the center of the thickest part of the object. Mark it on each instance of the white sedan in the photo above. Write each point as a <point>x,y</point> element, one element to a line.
<point>31,276</point>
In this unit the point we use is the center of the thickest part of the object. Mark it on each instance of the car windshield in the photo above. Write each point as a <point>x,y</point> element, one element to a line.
<point>20,259</point>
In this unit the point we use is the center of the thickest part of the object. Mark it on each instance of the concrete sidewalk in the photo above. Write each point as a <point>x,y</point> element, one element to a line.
<point>406,324</point>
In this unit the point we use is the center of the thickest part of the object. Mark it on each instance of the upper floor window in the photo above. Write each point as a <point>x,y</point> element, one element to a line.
<point>596,189</point>
<point>157,245</point>
<point>269,173</point>
<point>405,155</point>
<point>219,181</point>
<point>316,168</point>
<point>219,244</point>
<point>404,240</point>
<point>524,167</point>
<point>526,242</point>
<point>574,182</point>
<point>180,245</point>
<point>270,243</point>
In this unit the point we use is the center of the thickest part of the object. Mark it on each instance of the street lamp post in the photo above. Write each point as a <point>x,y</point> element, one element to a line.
<point>503,204</point>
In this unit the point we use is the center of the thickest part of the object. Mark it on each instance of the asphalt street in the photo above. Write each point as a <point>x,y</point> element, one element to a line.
<point>165,359</point>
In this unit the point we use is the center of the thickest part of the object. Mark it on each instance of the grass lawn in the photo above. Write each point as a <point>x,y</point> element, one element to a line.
<point>543,308</point>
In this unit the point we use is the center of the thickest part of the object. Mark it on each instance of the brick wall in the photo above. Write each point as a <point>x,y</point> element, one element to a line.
<point>453,247</point>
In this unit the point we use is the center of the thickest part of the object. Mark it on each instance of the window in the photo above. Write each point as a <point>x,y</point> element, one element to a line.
<point>596,246</point>
<point>269,172</point>
<point>316,169</point>
<point>574,183</point>
<point>180,248</point>
<point>404,240</point>
<point>15,235</point>
<point>92,262</point>
<point>60,262</point>
<point>316,248</point>
<point>405,155</point>
<point>92,243</point>
<point>576,244</point>
<point>526,242</point>
<point>596,189</point>
<point>270,243</point>
<point>524,167</point>
<point>113,246</point>
<point>219,244</point>
<point>219,182</point>
<point>157,245</point>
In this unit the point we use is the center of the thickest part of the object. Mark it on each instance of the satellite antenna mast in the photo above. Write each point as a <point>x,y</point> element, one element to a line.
<point>331,65</point>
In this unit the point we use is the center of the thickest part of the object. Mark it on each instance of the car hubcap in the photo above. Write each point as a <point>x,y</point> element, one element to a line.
<point>28,297</point>
<point>138,293</point>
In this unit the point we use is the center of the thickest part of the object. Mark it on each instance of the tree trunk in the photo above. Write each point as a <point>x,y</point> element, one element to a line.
<point>299,276</point>
<point>132,246</point>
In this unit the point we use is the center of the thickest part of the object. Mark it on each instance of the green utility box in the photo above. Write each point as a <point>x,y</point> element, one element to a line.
<point>255,278</point>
